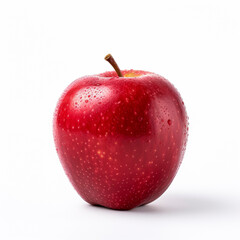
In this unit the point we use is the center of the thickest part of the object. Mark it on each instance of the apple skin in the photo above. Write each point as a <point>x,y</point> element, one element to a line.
<point>120,140</point>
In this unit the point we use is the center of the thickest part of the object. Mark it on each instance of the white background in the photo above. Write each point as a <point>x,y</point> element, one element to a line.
<point>45,45</point>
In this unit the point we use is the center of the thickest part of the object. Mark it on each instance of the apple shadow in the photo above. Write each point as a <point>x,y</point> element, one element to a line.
<point>183,205</point>
<point>176,204</point>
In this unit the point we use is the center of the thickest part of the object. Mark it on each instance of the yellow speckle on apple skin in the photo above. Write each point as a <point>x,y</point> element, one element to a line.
<point>132,74</point>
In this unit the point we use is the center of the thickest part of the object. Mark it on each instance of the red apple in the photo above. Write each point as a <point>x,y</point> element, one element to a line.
<point>120,139</point>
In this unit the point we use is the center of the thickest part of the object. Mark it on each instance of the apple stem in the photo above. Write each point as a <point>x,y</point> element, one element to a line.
<point>111,60</point>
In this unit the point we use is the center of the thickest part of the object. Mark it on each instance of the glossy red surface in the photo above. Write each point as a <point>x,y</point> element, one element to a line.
<point>120,140</point>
